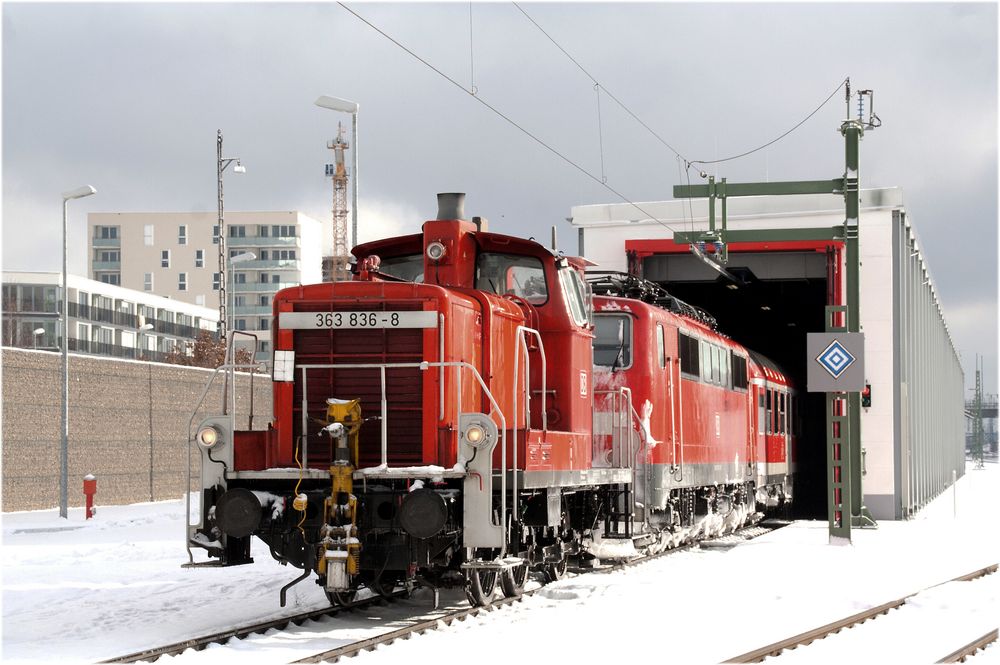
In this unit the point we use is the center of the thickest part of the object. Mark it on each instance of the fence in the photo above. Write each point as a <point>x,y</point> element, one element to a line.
<point>127,426</point>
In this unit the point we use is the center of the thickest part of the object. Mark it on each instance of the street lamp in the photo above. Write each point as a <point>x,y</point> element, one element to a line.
<point>239,258</point>
<point>36,333</point>
<point>138,338</point>
<point>77,193</point>
<point>344,106</point>
<point>221,164</point>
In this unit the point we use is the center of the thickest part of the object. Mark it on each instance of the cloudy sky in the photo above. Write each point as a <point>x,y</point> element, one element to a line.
<point>128,98</point>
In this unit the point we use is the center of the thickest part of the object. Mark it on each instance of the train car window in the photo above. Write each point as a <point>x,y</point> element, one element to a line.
<point>573,292</point>
<point>409,267</point>
<point>687,350</point>
<point>503,274</point>
<point>739,373</point>
<point>716,365</point>
<point>706,362</point>
<point>725,368</point>
<point>661,346</point>
<point>768,417</point>
<point>613,341</point>
<point>781,413</point>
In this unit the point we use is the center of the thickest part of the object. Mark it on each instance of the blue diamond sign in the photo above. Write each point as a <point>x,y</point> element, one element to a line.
<point>835,359</point>
<point>836,362</point>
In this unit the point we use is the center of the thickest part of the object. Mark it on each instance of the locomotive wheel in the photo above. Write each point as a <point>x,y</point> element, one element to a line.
<point>512,580</point>
<point>480,585</point>
<point>555,571</point>
<point>341,598</point>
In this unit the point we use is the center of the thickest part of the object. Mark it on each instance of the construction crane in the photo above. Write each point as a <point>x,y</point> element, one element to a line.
<point>336,267</point>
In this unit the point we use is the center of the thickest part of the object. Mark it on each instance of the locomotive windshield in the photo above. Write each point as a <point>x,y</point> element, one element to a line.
<point>409,267</point>
<point>613,340</point>
<point>503,274</point>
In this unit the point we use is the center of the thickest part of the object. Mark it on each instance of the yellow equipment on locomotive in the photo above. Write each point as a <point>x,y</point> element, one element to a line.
<point>340,547</point>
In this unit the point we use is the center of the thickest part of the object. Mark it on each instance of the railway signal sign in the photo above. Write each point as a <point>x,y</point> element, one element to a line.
<point>835,362</point>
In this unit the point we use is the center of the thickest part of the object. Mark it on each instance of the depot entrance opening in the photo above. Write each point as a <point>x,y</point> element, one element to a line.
<point>777,298</point>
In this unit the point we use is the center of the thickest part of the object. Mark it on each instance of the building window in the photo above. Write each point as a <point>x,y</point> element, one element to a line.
<point>263,278</point>
<point>182,281</point>
<point>147,235</point>
<point>237,232</point>
<point>263,301</point>
<point>240,278</point>
<point>239,301</point>
<point>199,300</point>
<point>165,258</point>
<point>285,254</point>
<point>199,258</point>
<point>106,232</point>
<point>147,281</point>
<point>241,324</point>
<point>275,279</point>
<point>263,255</point>
<point>283,231</point>
<point>110,256</point>
<point>265,324</point>
<point>215,234</point>
<point>262,231</point>
<point>182,234</point>
<point>112,278</point>
<point>265,346</point>
<point>215,281</point>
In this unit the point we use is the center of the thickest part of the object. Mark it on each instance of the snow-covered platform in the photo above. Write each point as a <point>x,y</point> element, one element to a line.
<point>115,585</point>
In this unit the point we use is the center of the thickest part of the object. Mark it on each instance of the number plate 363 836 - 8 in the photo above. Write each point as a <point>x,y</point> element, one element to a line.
<point>320,320</point>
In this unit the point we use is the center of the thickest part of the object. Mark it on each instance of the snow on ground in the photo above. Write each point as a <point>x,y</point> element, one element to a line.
<point>76,591</point>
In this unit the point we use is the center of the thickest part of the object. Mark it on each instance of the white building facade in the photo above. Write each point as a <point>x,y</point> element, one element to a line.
<point>104,319</point>
<point>176,255</point>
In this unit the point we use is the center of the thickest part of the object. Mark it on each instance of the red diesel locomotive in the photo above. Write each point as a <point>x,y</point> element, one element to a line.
<point>458,413</point>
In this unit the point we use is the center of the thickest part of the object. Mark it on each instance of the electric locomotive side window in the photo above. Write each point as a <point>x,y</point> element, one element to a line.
<point>613,341</point>
<point>521,276</point>
<point>688,351</point>
<point>409,267</point>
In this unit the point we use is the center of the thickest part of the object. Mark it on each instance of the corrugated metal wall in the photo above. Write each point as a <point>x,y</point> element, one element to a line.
<point>929,383</point>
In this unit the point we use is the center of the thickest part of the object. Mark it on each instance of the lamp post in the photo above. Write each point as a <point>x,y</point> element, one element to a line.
<point>138,338</point>
<point>344,106</point>
<point>77,193</point>
<point>35,334</point>
<point>221,164</point>
<point>239,258</point>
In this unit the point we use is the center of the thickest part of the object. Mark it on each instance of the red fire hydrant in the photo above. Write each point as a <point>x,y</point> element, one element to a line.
<point>89,490</point>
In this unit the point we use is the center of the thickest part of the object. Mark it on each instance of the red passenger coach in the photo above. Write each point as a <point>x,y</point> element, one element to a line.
<point>457,414</point>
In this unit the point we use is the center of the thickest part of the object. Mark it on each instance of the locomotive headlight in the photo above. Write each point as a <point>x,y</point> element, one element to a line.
<point>436,250</point>
<point>475,434</point>
<point>208,436</point>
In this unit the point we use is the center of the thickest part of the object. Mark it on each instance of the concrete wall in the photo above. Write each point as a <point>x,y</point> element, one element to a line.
<point>120,412</point>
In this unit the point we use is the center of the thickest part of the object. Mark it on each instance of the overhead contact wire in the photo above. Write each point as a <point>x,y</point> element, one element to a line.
<point>509,120</point>
<point>772,142</point>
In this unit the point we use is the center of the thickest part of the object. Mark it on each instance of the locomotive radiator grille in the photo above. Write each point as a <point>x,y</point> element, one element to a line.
<point>404,386</point>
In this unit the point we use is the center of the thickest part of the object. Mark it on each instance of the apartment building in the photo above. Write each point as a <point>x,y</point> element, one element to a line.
<point>104,319</point>
<point>176,255</point>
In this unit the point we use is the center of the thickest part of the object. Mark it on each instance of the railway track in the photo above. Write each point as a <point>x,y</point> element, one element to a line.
<point>810,636</point>
<point>199,643</point>
<point>333,655</point>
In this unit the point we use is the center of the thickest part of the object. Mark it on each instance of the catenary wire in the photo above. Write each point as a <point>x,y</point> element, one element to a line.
<point>773,141</point>
<point>510,121</point>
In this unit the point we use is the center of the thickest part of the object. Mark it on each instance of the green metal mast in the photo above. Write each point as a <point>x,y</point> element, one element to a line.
<point>845,496</point>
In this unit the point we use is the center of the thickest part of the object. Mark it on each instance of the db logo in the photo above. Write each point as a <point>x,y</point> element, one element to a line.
<point>583,384</point>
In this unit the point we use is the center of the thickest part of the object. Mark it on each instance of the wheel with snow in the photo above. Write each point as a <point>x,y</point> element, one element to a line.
<point>512,580</point>
<point>341,598</point>
<point>556,571</point>
<point>480,583</point>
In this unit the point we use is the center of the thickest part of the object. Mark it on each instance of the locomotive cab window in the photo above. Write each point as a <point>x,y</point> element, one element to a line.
<point>739,373</point>
<point>687,350</point>
<point>503,274</point>
<point>613,341</point>
<point>409,267</point>
<point>573,291</point>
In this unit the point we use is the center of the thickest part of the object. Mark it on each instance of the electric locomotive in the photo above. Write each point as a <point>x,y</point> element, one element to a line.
<point>439,420</point>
